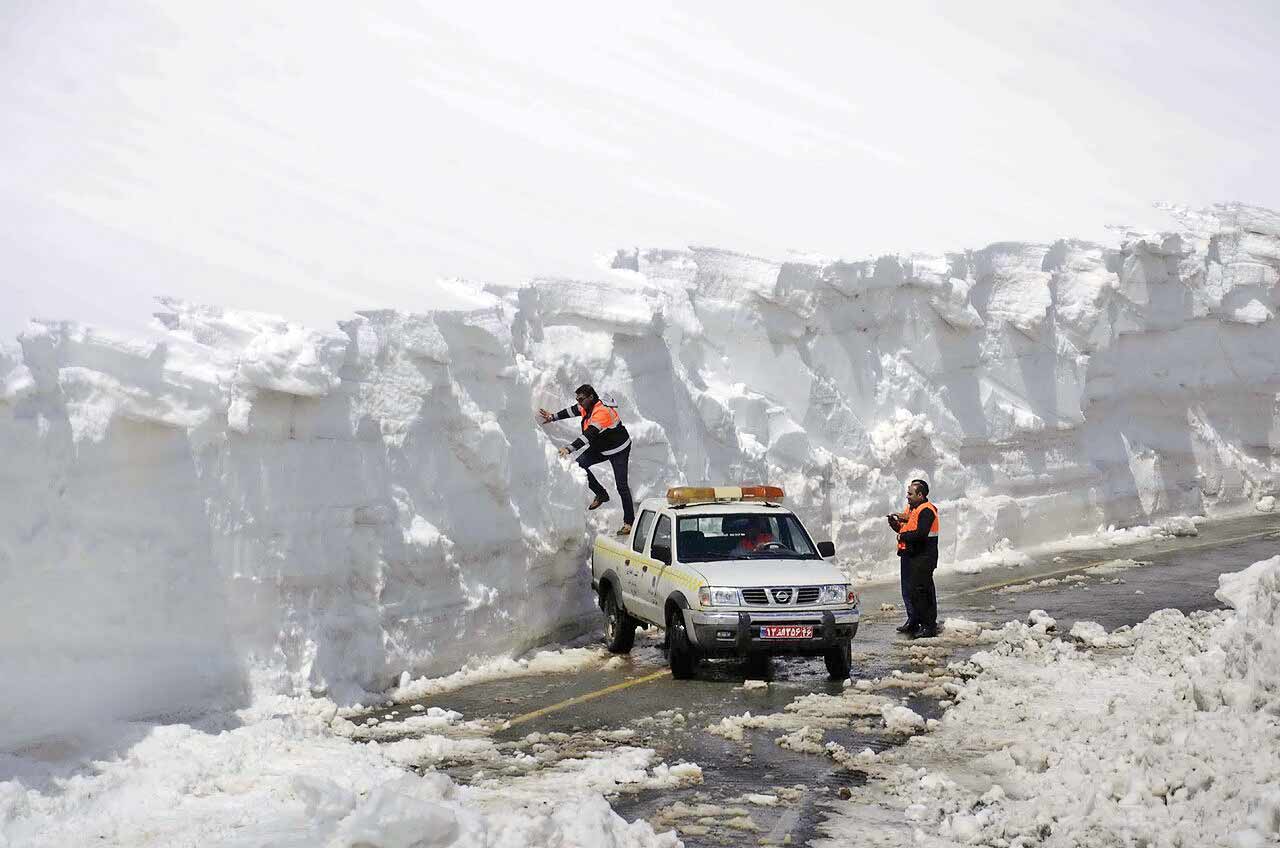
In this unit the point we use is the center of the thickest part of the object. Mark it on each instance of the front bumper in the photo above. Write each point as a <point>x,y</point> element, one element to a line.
<point>738,633</point>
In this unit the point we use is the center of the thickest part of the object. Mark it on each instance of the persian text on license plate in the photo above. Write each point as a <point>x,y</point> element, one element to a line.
<point>786,631</point>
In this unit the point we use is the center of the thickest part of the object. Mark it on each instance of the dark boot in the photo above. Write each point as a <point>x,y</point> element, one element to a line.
<point>598,502</point>
<point>924,632</point>
<point>907,627</point>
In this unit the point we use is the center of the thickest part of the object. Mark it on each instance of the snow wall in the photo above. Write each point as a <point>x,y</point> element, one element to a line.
<point>251,505</point>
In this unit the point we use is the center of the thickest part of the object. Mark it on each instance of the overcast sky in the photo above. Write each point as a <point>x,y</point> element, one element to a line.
<point>288,158</point>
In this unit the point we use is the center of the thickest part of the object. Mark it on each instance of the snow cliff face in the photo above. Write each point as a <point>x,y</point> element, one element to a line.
<point>252,504</point>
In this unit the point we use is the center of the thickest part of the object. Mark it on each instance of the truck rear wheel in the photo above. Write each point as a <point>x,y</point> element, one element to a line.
<point>619,627</point>
<point>682,654</point>
<point>839,659</point>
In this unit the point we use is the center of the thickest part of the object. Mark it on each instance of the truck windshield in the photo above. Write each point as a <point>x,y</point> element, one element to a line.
<point>751,535</point>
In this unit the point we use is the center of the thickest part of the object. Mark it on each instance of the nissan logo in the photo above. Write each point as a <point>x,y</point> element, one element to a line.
<point>782,595</point>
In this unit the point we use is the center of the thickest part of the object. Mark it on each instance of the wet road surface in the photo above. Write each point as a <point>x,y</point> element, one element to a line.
<point>636,704</point>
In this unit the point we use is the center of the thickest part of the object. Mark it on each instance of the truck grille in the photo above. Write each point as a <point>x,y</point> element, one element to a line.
<point>773,596</point>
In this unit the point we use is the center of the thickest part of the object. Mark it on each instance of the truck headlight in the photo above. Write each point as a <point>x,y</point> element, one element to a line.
<point>840,593</point>
<point>718,596</point>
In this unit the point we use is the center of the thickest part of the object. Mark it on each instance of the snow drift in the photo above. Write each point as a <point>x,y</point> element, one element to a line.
<point>247,504</point>
<point>1167,737</point>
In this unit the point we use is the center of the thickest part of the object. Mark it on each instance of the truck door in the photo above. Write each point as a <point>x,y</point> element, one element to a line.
<point>651,574</point>
<point>632,595</point>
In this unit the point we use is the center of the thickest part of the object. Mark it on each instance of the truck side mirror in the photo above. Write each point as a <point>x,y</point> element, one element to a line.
<point>662,553</point>
<point>826,550</point>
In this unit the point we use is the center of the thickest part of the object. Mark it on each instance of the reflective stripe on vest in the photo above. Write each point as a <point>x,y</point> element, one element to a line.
<point>912,521</point>
<point>601,417</point>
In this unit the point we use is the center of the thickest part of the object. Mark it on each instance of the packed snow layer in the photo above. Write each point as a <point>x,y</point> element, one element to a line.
<point>250,505</point>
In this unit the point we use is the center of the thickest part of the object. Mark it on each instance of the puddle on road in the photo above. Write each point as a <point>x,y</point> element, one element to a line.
<point>767,795</point>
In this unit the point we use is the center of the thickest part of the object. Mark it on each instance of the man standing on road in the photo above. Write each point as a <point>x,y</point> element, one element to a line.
<point>605,439</point>
<point>918,546</point>
<point>904,578</point>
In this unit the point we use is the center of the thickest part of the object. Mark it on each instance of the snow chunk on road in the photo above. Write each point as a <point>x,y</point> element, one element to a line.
<point>814,710</point>
<point>435,720</point>
<point>404,813</point>
<point>680,774</point>
<point>961,627</point>
<point>1115,566</point>
<point>432,750</point>
<point>1001,555</point>
<point>501,668</point>
<point>806,740</point>
<point>1041,621</point>
<point>851,702</point>
<point>1095,635</point>
<point>902,720</point>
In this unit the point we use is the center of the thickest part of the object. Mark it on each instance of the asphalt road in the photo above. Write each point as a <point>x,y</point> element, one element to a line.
<point>638,704</point>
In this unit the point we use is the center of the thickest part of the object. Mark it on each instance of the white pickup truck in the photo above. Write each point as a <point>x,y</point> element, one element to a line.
<point>727,571</point>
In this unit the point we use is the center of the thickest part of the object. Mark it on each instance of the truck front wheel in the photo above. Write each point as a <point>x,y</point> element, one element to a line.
<point>682,654</point>
<point>619,627</point>
<point>839,659</point>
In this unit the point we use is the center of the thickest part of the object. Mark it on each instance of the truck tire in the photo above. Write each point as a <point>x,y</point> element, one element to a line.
<point>619,626</point>
<point>682,654</point>
<point>839,659</point>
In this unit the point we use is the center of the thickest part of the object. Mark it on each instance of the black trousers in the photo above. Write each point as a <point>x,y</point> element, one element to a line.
<point>904,577</point>
<point>924,596</point>
<point>619,461</point>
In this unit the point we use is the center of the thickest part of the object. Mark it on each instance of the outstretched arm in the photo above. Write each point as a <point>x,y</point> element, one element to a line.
<point>568,412</point>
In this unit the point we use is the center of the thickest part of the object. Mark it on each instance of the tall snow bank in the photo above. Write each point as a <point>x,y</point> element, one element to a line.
<point>248,504</point>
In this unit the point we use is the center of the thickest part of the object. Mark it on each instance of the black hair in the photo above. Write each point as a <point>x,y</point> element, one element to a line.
<point>924,487</point>
<point>586,389</point>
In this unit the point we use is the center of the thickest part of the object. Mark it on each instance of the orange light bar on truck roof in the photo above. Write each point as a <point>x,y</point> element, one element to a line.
<point>692,494</point>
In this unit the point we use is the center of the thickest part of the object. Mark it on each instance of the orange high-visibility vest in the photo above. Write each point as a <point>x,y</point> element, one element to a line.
<point>602,417</point>
<point>911,521</point>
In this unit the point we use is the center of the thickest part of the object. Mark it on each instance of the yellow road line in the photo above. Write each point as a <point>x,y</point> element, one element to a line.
<point>589,696</point>
<point>1026,578</point>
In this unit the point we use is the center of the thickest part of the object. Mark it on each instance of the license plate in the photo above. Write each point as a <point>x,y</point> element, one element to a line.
<point>786,631</point>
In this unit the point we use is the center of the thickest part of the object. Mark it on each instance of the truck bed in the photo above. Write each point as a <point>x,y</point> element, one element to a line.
<point>609,549</point>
